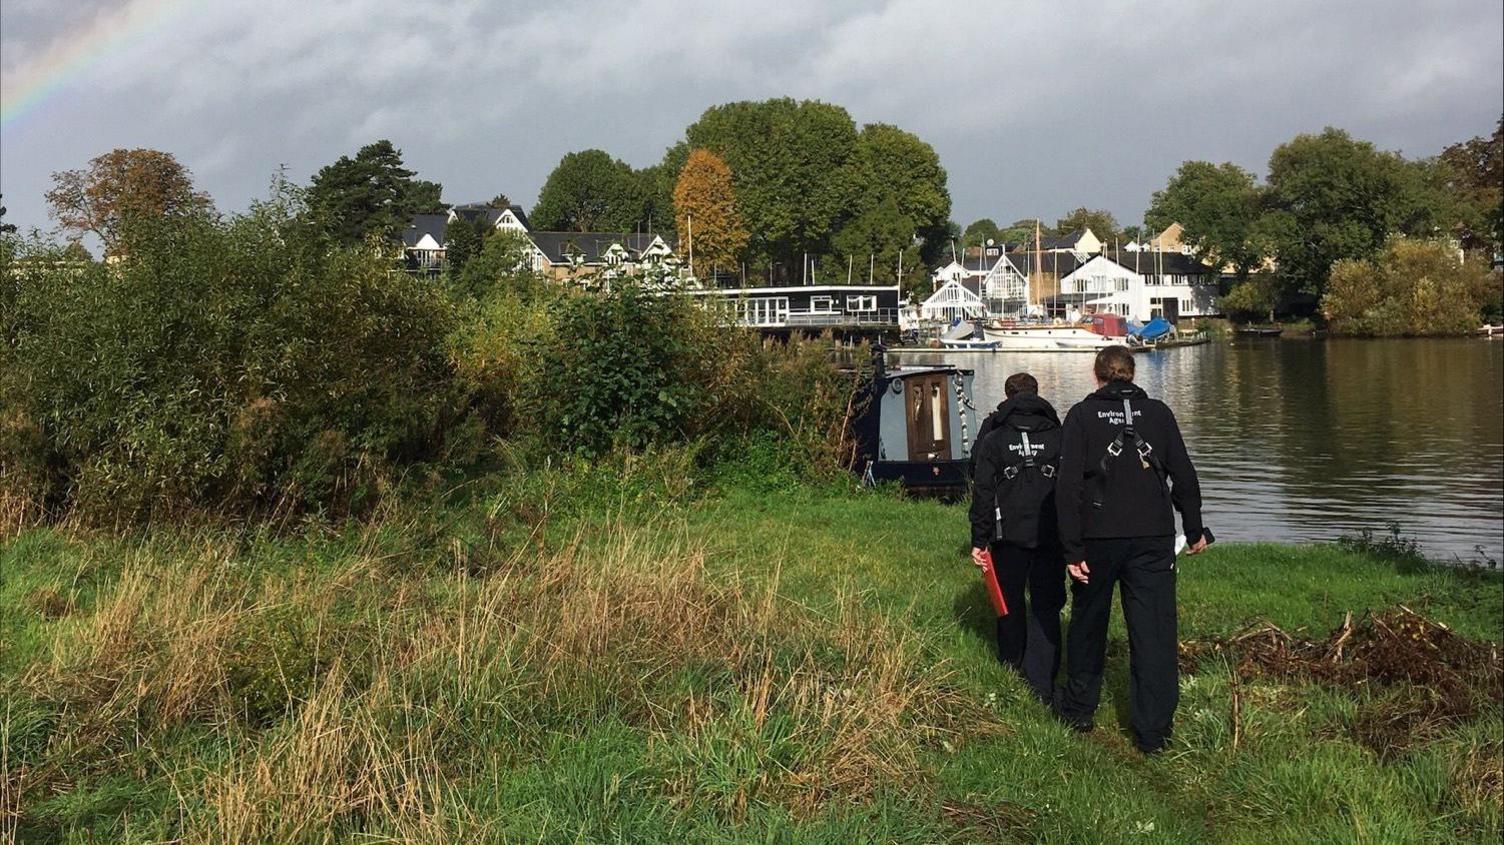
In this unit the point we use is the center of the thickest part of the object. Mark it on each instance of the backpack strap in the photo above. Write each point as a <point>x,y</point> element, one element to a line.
<point>1146,457</point>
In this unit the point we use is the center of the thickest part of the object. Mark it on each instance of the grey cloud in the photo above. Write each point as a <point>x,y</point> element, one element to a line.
<point>1034,110</point>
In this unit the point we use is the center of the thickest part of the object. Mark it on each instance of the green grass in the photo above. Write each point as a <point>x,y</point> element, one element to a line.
<point>635,665</point>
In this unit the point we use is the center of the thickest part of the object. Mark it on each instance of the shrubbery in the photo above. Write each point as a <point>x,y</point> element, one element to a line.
<point>1414,288</point>
<point>249,364</point>
<point>225,365</point>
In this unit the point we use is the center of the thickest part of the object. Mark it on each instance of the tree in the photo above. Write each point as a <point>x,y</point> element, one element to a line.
<point>1100,222</point>
<point>463,239</point>
<point>589,191</point>
<point>897,165</point>
<point>789,163</point>
<point>1132,233</point>
<point>1331,197</point>
<point>705,210</point>
<point>874,241</point>
<point>1412,287</point>
<point>657,185</point>
<point>122,187</point>
<point>5,228</point>
<point>1475,176</point>
<point>980,232</point>
<point>1022,231</point>
<point>501,201</point>
<point>1218,207</point>
<point>370,194</point>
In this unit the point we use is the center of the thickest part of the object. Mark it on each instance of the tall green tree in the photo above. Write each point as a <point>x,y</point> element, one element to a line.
<point>1475,176</point>
<point>1099,221</point>
<point>789,162</point>
<point>463,239</point>
<point>898,165</point>
<point>5,228</point>
<point>873,241</point>
<point>589,191</point>
<point>1218,206</point>
<point>372,194</point>
<point>658,182</point>
<point>1332,197</point>
<point>979,232</point>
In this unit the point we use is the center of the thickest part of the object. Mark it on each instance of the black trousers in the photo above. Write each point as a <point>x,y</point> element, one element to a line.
<point>1144,567</point>
<point>1028,638</point>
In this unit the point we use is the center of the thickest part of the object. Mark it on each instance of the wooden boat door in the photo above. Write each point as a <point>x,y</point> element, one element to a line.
<point>929,417</point>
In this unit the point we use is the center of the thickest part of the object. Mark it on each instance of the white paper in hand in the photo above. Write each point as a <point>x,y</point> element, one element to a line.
<point>1180,544</point>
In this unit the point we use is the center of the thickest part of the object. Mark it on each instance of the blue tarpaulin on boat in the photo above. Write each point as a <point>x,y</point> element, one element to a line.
<point>1155,328</point>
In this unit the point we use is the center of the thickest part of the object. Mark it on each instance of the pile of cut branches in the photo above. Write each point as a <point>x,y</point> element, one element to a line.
<point>1418,676</point>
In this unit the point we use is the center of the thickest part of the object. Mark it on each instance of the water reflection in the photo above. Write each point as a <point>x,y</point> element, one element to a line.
<point>1307,440</point>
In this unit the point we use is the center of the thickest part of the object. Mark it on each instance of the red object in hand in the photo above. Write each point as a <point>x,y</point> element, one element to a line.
<point>994,590</point>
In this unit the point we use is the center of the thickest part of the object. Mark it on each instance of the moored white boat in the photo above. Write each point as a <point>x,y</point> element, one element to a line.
<point>1048,339</point>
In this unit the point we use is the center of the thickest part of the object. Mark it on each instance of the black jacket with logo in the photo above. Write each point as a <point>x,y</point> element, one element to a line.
<point>1028,520</point>
<point>1131,500</point>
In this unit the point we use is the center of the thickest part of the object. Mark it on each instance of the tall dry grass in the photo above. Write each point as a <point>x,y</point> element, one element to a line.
<point>366,697</point>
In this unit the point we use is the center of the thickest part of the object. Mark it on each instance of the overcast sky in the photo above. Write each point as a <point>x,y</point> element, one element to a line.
<point>1034,108</point>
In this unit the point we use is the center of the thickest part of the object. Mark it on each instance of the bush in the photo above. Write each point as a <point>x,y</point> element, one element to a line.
<point>223,364</point>
<point>1412,288</point>
<point>630,366</point>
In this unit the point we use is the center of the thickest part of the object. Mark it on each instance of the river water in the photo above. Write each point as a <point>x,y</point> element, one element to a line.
<point>1299,440</point>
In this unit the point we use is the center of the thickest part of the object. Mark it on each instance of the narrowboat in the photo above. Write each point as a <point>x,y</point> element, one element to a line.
<point>914,425</point>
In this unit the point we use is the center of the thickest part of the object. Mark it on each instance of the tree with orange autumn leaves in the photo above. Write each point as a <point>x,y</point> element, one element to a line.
<point>121,186</point>
<point>705,212</point>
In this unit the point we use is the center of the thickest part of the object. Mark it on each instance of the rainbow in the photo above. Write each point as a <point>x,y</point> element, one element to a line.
<point>72,55</point>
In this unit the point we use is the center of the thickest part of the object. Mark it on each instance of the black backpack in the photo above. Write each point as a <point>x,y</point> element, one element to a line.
<point>1025,488</point>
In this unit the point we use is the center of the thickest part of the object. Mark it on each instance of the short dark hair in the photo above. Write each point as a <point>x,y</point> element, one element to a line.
<point>1020,383</point>
<point>1114,363</point>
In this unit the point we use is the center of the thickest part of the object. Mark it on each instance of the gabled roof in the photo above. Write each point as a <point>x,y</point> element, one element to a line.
<point>470,211</point>
<point>952,292</point>
<point>1148,262</point>
<point>1066,241</point>
<point>591,246</point>
<point>1060,264</point>
<point>425,224</point>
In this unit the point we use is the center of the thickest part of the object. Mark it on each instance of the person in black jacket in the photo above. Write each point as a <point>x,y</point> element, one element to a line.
<point>1117,486</point>
<point>1013,516</point>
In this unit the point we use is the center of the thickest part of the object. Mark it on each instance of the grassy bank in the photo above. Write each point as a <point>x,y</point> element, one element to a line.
<point>671,664</point>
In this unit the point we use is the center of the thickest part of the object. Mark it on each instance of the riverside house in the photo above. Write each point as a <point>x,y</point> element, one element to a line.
<point>1058,281</point>
<point>558,255</point>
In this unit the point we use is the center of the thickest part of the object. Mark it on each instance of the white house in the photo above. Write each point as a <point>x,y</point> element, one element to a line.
<point>995,281</point>
<point>952,301</point>
<point>1142,285</point>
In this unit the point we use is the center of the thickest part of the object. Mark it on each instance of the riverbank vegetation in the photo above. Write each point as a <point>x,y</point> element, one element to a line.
<point>254,366</point>
<point>1412,288</point>
<point>1329,201</point>
<point>633,650</point>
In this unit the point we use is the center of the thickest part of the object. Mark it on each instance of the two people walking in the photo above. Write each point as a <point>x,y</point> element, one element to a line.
<point>1093,498</point>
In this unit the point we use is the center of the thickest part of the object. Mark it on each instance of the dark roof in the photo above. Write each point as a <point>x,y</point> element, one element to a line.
<point>1168,263</point>
<point>472,210</point>
<point>1059,264</point>
<point>425,224</point>
<point>557,246</point>
<point>1065,241</point>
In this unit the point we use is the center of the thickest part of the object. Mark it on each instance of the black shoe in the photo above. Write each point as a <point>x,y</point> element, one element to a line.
<point>1079,725</point>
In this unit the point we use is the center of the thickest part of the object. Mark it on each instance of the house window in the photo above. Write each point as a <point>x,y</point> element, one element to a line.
<point>822,305</point>
<point>861,303</point>
<point>1123,284</point>
<point>767,311</point>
